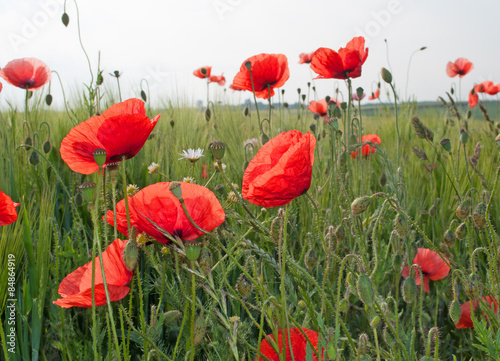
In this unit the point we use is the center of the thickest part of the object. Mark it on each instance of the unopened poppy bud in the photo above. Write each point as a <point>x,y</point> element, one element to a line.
<point>339,233</point>
<point>88,191</point>
<point>312,126</point>
<point>311,258</point>
<point>419,127</point>
<point>246,111</point>
<point>479,215</point>
<point>218,150</point>
<point>461,231</point>
<point>446,144</point>
<point>285,105</point>
<point>472,287</point>
<point>78,199</point>
<point>382,180</point>
<point>28,142</point>
<point>47,146</point>
<point>351,280</point>
<point>409,290</point>
<point>99,156</point>
<point>365,289</point>
<point>375,322</point>
<point>455,311</point>
<point>344,305</point>
<point>449,238</point>
<point>131,254</point>
<point>48,99</point>
<point>463,210</point>
<point>170,317</point>
<point>100,79</point>
<point>175,188</point>
<point>205,260</point>
<point>303,97</point>
<point>359,92</point>
<point>193,249</point>
<point>464,136</point>
<point>208,114</point>
<point>363,343</point>
<point>386,75</point>
<point>244,286</point>
<point>65,19</point>
<point>302,304</point>
<point>34,158</point>
<point>143,96</point>
<point>298,91</point>
<point>172,123</point>
<point>360,204</point>
<point>327,99</point>
<point>248,65</point>
<point>264,138</point>
<point>401,225</point>
<point>396,262</point>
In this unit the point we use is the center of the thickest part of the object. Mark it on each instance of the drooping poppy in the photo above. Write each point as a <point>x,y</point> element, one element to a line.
<point>460,67</point>
<point>268,70</point>
<point>157,203</point>
<point>121,131</point>
<point>26,73</point>
<point>367,149</point>
<point>219,79</point>
<point>8,213</point>
<point>374,95</point>
<point>432,265</point>
<point>473,98</point>
<point>298,342</point>
<point>346,63</point>
<point>465,320</point>
<point>305,58</point>
<point>76,288</point>
<point>199,74</point>
<point>281,170</point>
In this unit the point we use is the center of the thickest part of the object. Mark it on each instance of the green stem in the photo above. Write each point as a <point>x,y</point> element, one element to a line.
<point>193,309</point>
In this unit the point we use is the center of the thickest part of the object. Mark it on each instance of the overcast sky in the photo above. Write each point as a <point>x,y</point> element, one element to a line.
<point>164,41</point>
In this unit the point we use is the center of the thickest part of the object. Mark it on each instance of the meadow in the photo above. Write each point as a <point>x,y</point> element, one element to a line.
<point>354,249</point>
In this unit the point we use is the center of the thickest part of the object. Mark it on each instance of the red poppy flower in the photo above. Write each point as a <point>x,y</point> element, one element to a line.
<point>8,213</point>
<point>76,288</point>
<point>297,340</point>
<point>281,170</point>
<point>199,74</point>
<point>219,79</point>
<point>305,58</point>
<point>346,63</point>
<point>473,98</point>
<point>319,107</point>
<point>26,73</point>
<point>367,149</point>
<point>121,130</point>
<point>374,95</point>
<point>460,67</point>
<point>465,320</point>
<point>267,70</point>
<point>486,87</point>
<point>235,88</point>
<point>121,217</point>
<point>432,265</point>
<point>157,203</point>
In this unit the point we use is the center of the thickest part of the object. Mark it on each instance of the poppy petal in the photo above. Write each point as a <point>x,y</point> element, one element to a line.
<point>8,212</point>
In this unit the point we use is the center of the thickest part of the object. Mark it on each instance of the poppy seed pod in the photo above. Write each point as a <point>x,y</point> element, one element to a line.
<point>175,188</point>
<point>193,250</point>
<point>464,136</point>
<point>455,311</point>
<point>449,238</point>
<point>409,290</point>
<point>386,75</point>
<point>99,156</point>
<point>463,210</point>
<point>479,215</point>
<point>218,149</point>
<point>359,92</point>
<point>365,289</point>
<point>48,99</point>
<point>446,144</point>
<point>360,204</point>
<point>88,191</point>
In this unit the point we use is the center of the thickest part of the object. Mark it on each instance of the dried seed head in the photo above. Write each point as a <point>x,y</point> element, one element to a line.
<point>419,153</point>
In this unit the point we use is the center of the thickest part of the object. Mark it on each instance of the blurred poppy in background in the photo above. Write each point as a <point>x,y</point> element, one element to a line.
<point>305,58</point>
<point>121,131</point>
<point>460,67</point>
<point>269,71</point>
<point>367,149</point>
<point>76,288</point>
<point>374,95</point>
<point>205,73</point>
<point>219,79</point>
<point>26,73</point>
<point>465,320</point>
<point>281,170</point>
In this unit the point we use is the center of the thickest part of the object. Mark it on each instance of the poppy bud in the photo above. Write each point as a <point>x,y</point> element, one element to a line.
<point>78,199</point>
<point>99,156</point>
<point>285,105</point>
<point>449,238</point>
<point>193,250</point>
<point>461,231</point>
<point>298,90</point>
<point>363,343</point>
<point>88,191</point>
<point>327,99</point>
<point>304,97</point>
<point>248,65</point>
<point>28,142</point>
<point>479,215</point>
<point>170,316</point>
<point>339,233</point>
<point>175,188</point>
<point>282,91</point>
<point>172,123</point>
<point>143,96</point>
<point>48,99</point>
<point>343,105</point>
<point>246,111</point>
<point>100,78</point>
<point>344,305</point>
<point>446,144</point>
<point>336,112</point>
<point>409,290</point>
<point>432,210</point>
<point>208,114</point>
<point>264,138</point>
<point>386,75</point>
<point>310,258</point>
<point>396,262</point>
<point>351,280</point>
<point>455,311</point>
<point>131,254</point>
<point>302,304</point>
<point>464,136</point>
<point>218,149</point>
<point>375,322</point>
<point>47,146</point>
<point>205,260</point>
<point>112,169</point>
<point>34,158</point>
<point>382,180</point>
<point>463,210</point>
<point>472,287</point>
<point>359,92</point>
<point>365,290</point>
<point>419,127</point>
<point>401,225</point>
<point>360,204</point>
<point>65,19</point>
<point>387,336</point>
<point>244,286</point>
<point>312,126</point>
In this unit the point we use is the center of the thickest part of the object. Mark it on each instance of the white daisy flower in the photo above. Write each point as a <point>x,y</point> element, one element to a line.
<point>192,154</point>
<point>188,180</point>
<point>217,166</point>
<point>153,168</point>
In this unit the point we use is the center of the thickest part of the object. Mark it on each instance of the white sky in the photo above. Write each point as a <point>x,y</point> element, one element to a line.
<point>165,41</point>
